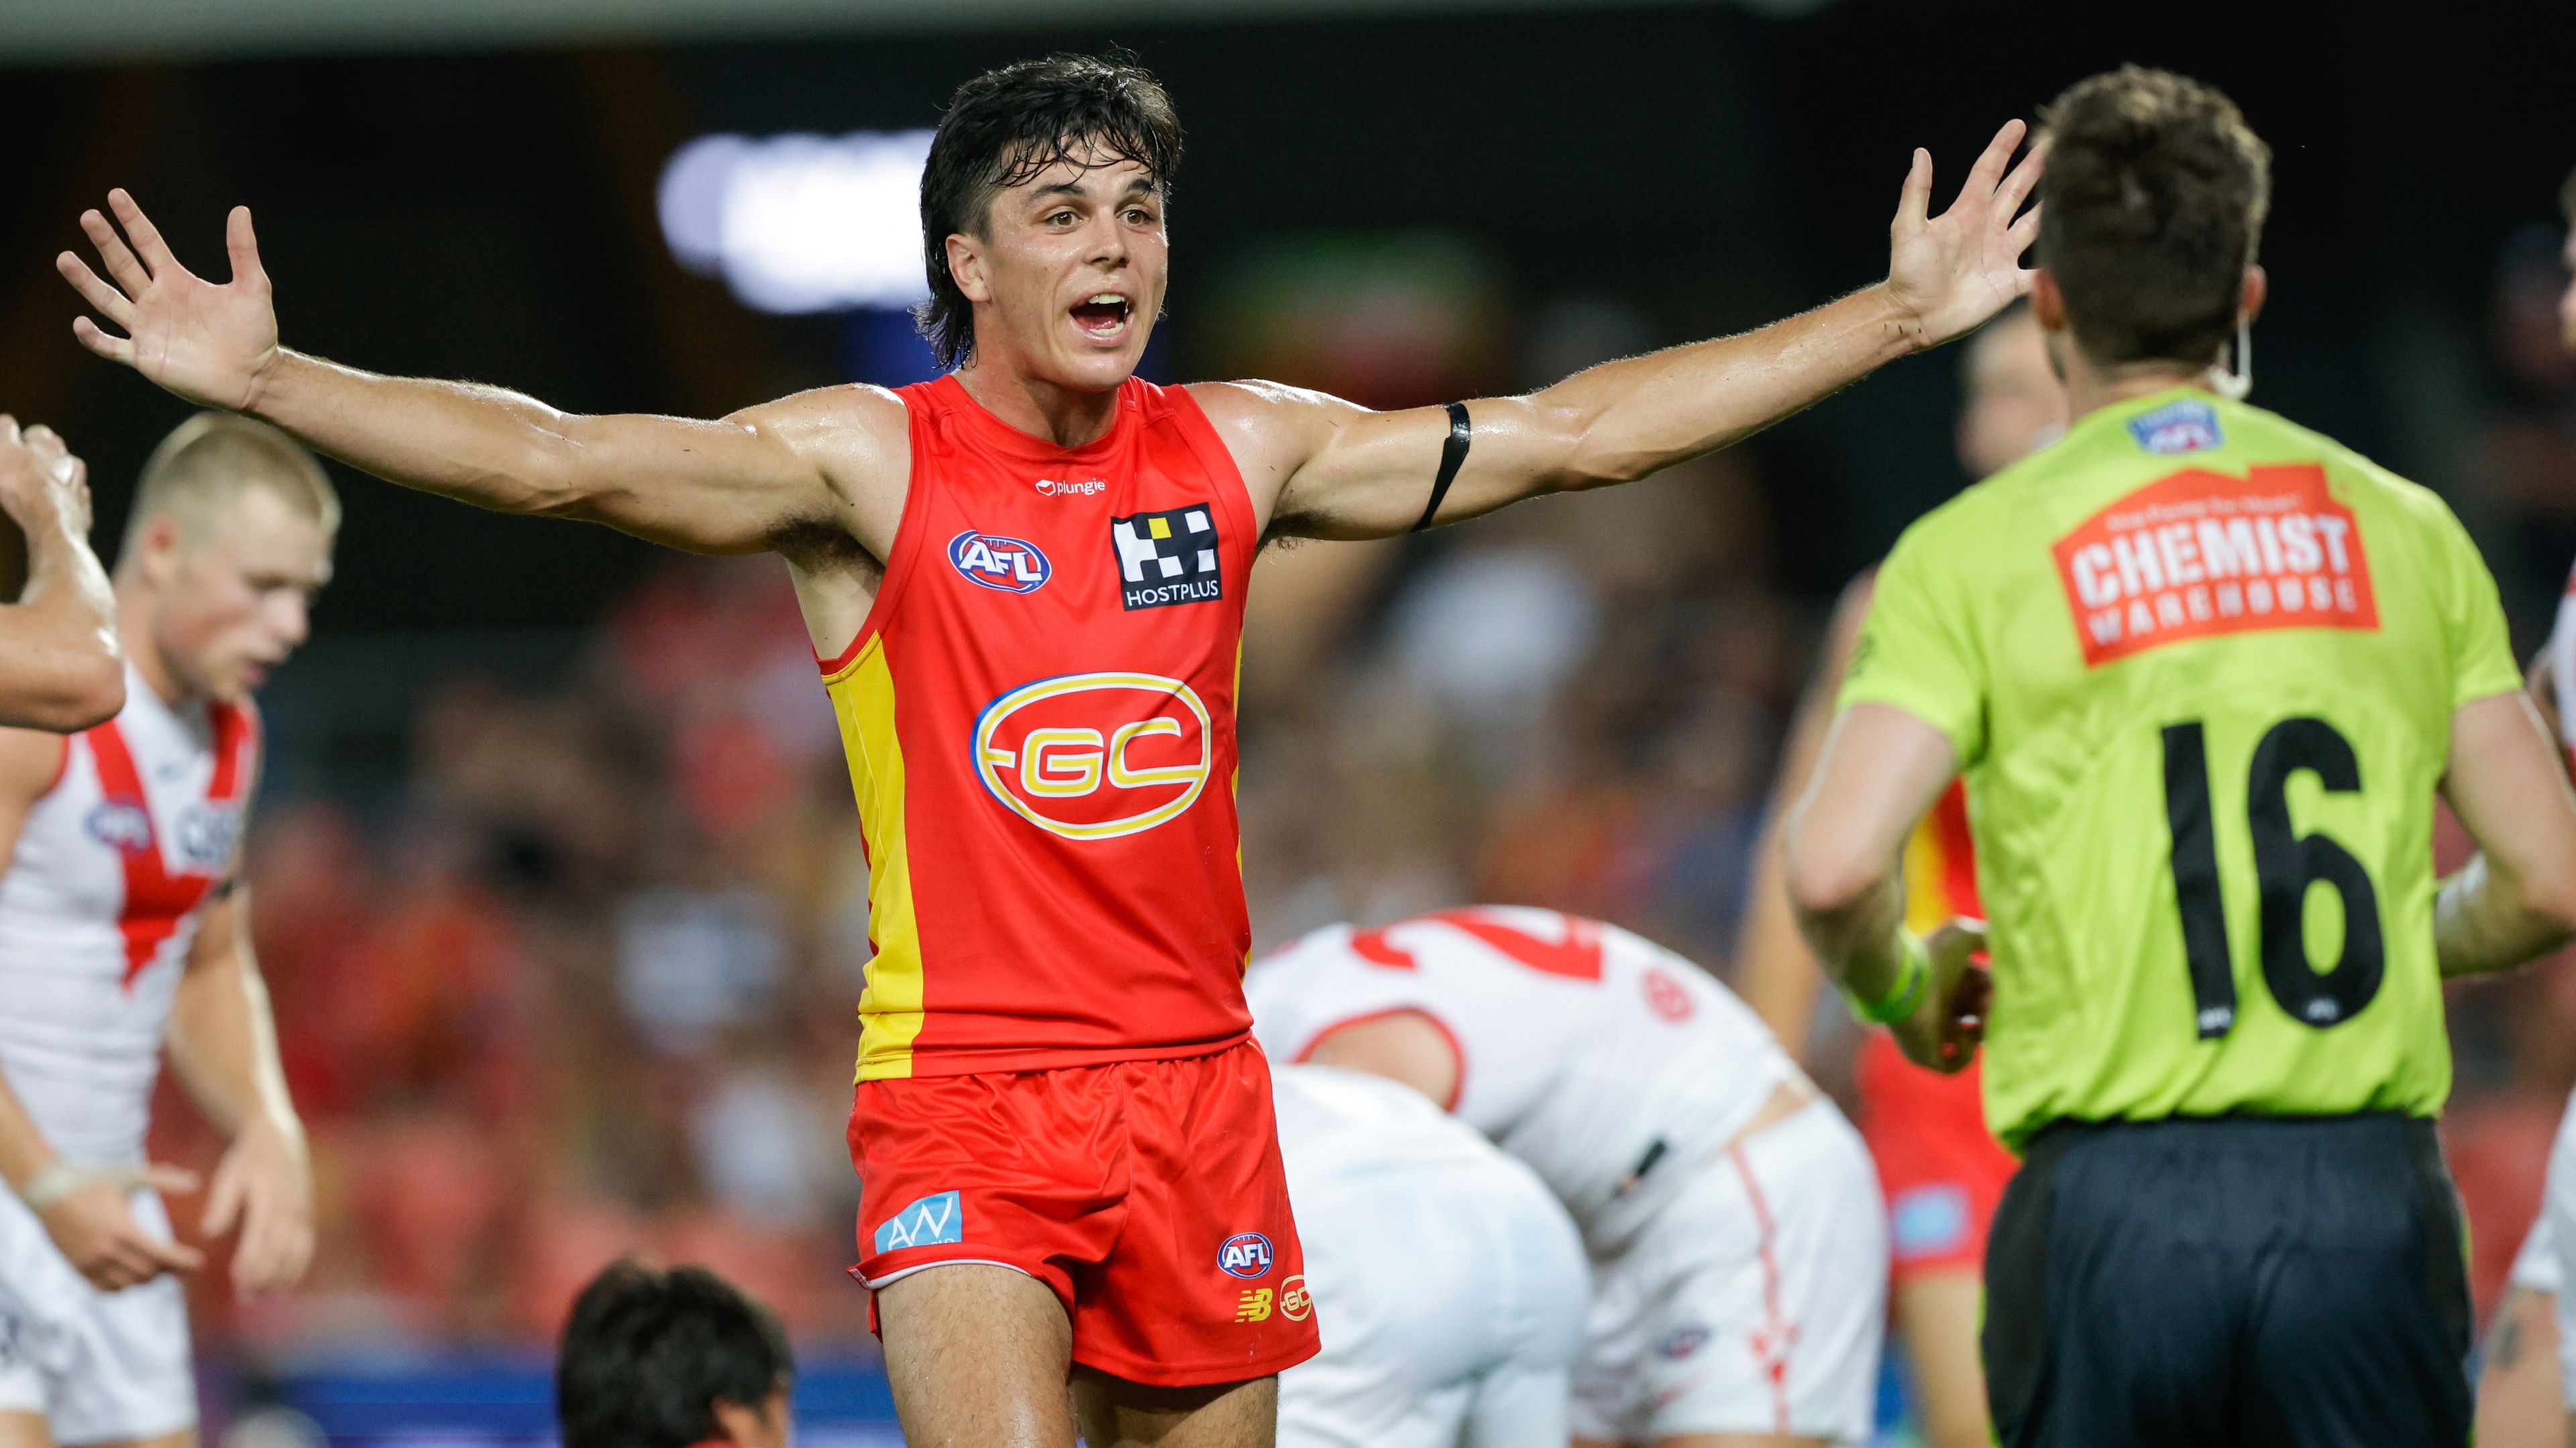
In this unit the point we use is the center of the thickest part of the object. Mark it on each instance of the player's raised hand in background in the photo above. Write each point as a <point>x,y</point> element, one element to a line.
<point>209,344</point>
<point>1952,271</point>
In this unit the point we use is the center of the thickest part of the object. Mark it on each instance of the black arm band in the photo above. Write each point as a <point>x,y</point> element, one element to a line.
<point>1453,454</point>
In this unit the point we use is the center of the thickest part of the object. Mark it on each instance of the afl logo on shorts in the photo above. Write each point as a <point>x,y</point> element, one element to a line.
<point>1245,1254</point>
<point>998,562</point>
<point>1095,756</point>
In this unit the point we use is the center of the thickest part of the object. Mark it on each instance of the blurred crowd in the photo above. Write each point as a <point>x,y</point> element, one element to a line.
<point>588,984</point>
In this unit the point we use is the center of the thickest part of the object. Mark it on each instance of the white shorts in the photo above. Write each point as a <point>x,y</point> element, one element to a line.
<point>100,1366</point>
<point>2552,1246</point>
<point>1754,1300</point>
<point>1450,1296</point>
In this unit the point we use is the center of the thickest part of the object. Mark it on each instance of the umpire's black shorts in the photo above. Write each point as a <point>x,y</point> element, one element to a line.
<point>2294,1281</point>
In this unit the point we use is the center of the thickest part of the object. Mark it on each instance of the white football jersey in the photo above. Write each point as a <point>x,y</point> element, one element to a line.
<point>99,905</point>
<point>1590,1053</point>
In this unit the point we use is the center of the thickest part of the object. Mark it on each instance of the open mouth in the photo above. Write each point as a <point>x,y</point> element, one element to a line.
<point>1102,316</point>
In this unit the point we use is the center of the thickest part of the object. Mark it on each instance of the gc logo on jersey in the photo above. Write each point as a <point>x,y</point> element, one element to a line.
<point>1167,558</point>
<point>1095,756</point>
<point>1245,1254</point>
<point>994,561</point>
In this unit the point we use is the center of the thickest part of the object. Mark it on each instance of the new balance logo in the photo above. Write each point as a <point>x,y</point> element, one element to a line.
<point>929,1222</point>
<point>1167,558</point>
<point>1253,1306</point>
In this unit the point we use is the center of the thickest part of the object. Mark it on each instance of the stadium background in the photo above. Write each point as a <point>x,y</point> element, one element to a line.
<point>557,877</point>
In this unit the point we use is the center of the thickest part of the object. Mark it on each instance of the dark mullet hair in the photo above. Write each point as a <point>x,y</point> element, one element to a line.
<point>1006,126</point>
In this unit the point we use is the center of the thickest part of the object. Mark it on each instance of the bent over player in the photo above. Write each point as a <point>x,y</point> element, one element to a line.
<point>1739,1258</point>
<point>123,929</point>
<point>1452,1280</point>
<point>2204,671</point>
<point>1026,582</point>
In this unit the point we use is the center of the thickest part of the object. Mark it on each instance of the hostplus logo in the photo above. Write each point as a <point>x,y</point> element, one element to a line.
<point>1167,558</point>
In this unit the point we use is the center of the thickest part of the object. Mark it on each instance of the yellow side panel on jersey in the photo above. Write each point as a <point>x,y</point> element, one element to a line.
<point>1927,905</point>
<point>890,1013</point>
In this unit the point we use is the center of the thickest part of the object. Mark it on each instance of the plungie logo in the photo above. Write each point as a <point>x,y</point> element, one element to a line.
<point>2200,554</point>
<point>1095,756</point>
<point>998,562</point>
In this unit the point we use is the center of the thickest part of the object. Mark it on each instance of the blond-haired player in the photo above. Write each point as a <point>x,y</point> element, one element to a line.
<point>123,930</point>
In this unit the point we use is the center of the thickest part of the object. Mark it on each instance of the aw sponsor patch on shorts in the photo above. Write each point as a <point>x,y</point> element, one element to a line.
<point>933,1221</point>
<point>2198,554</point>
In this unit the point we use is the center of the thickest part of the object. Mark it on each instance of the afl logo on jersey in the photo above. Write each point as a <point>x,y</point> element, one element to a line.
<point>998,562</point>
<point>1245,1254</point>
<point>121,825</point>
<point>1095,756</point>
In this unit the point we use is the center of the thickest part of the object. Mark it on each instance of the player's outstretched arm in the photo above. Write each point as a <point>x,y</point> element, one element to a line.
<point>60,666</point>
<point>223,1046</point>
<point>2516,898</point>
<point>727,486</point>
<point>1339,471</point>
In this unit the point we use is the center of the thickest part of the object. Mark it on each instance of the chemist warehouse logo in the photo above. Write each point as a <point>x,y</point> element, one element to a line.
<point>1095,756</point>
<point>2200,554</point>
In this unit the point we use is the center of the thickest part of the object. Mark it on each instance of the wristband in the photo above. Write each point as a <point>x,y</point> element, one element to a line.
<point>1901,996</point>
<point>57,1180</point>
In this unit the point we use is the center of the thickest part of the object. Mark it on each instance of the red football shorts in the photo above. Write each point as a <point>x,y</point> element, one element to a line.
<point>1147,1194</point>
<point>1943,1172</point>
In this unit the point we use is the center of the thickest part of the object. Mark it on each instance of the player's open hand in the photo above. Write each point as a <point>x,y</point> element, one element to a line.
<point>95,1228</point>
<point>265,1185</point>
<point>1946,1029</point>
<point>1951,272</point>
<point>210,344</point>
<point>40,480</point>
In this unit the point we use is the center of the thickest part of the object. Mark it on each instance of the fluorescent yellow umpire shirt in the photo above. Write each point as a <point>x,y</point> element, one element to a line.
<point>2199,665</point>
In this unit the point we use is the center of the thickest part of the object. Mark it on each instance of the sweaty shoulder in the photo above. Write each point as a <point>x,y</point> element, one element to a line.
<point>1271,429</point>
<point>857,437</point>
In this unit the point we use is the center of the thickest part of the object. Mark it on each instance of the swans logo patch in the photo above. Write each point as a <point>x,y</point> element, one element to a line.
<point>1167,558</point>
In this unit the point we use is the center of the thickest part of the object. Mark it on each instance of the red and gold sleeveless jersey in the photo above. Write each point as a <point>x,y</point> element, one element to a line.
<point>1039,718</point>
<point>1941,865</point>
